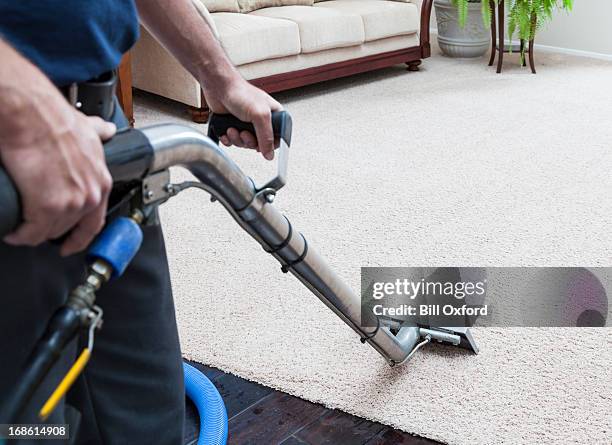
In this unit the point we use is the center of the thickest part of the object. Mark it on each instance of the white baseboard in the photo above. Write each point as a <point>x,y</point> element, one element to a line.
<point>573,52</point>
<point>556,49</point>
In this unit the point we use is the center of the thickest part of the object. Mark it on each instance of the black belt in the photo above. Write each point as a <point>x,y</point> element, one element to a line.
<point>95,97</point>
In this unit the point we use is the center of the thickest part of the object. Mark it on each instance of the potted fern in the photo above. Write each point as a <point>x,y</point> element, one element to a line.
<point>526,17</point>
<point>463,27</point>
<point>463,24</point>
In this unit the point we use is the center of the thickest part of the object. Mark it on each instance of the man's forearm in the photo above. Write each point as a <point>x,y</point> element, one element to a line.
<point>178,26</point>
<point>29,102</point>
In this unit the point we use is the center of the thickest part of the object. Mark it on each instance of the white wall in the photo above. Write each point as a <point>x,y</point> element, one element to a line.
<point>588,28</point>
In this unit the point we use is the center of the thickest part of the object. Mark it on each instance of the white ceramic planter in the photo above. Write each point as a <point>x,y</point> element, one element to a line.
<point>473,40</point>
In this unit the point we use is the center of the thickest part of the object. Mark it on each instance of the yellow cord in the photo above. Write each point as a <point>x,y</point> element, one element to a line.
<point>65,384</point>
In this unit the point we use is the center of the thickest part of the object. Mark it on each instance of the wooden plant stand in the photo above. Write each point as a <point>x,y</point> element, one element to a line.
<point>498,43</point>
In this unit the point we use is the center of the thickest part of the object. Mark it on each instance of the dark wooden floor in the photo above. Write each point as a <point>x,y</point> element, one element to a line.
<point>261,415</point>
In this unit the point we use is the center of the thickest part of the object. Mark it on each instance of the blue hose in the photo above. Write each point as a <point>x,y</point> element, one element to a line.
<point>208,401</point>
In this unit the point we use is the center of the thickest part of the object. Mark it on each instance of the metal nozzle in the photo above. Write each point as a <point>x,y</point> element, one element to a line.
<point>461,337</point>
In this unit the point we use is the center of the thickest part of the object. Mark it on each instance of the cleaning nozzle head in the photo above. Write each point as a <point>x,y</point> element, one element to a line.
<point>461,337</point>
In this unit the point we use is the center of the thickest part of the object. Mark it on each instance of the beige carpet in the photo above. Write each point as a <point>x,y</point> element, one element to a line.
<point>451,166</point>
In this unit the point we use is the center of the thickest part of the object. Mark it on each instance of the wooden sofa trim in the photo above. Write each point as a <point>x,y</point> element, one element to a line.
<point>280,82</point>
<point>425,24</point>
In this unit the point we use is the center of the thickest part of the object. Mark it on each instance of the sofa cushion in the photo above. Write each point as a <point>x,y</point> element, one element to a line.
<point>248,38</point>
<point>253,5</point>
<point>282,65</point>
<point>320,28</point>
<point>381,19</point>
<point>221,5</point>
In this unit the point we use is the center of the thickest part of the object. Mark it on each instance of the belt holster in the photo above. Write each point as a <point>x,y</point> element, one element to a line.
<point>95,97</point>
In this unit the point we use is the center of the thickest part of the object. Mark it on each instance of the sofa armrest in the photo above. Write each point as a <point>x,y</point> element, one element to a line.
<point>205,14</point>
<point>425,8</point>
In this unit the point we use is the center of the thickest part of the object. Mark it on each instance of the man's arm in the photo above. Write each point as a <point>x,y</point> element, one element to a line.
<point>54,155</point>
<point>180,28</point>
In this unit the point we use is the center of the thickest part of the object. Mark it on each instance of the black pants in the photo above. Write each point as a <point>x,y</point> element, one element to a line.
<point>132,389</point>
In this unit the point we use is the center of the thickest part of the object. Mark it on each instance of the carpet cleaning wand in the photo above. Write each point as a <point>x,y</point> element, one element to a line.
<point>139,160</point>
<point>252,208</point>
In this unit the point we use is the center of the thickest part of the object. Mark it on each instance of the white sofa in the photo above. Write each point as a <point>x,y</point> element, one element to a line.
<point>283,47</point>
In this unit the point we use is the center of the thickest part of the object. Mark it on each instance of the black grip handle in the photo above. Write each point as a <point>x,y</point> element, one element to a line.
<point>219,123</point>
<point>128,156</point>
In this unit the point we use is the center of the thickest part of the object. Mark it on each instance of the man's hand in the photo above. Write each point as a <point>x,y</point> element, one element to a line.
<point>63,183</point>
<point>249,104</point>
<point>54,155</point>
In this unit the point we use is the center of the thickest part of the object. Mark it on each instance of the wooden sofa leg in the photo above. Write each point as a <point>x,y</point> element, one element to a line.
<point>414,65</point>
<point>199,115</point>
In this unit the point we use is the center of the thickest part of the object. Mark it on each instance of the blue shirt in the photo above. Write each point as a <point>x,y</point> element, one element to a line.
<point>70,40</point>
